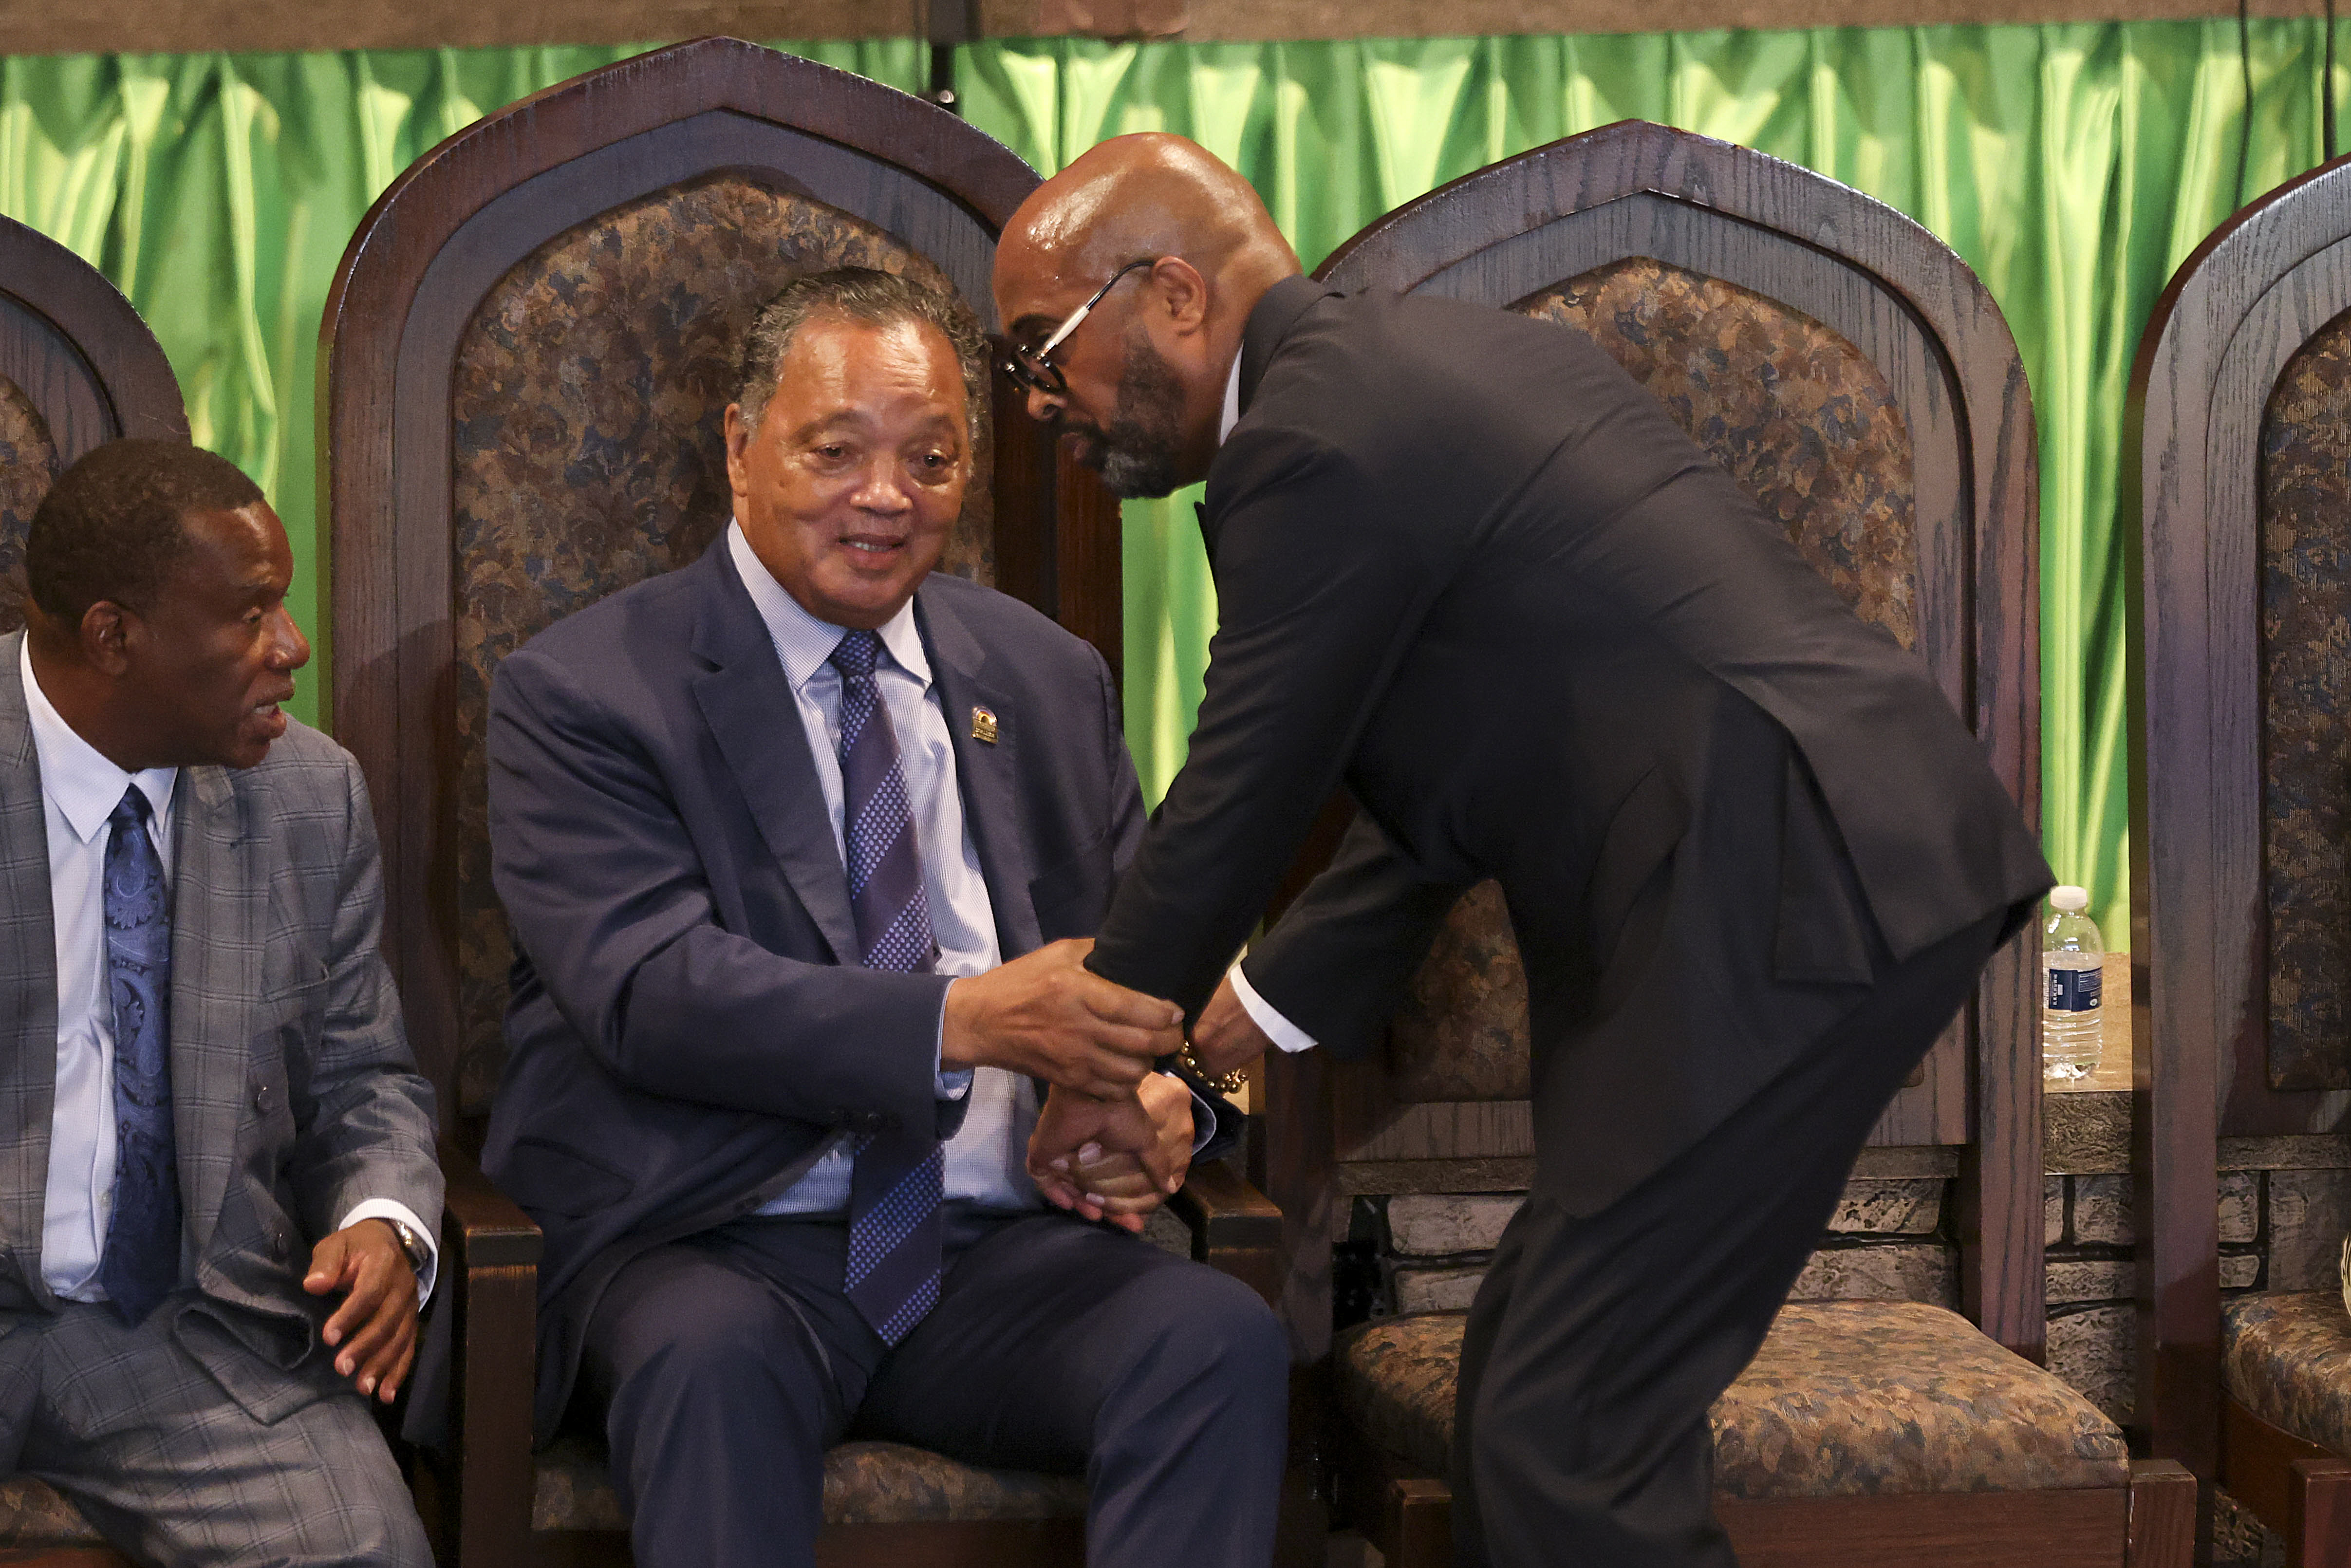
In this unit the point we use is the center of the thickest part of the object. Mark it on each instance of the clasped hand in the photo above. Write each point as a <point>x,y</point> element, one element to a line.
<point>1113,1159</point>
<point>1046,1015</point>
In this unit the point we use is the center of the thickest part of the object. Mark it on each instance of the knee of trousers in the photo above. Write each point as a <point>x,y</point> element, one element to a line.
<point>711,1366</point>
<point>1220,1334</point>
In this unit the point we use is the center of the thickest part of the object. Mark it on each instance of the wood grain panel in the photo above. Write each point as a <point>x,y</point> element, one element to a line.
<point>42,26</point>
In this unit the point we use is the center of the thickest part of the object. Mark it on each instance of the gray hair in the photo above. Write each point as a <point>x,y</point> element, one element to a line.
<point>861,294</point>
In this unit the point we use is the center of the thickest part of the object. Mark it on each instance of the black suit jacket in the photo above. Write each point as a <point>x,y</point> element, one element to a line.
<point>1465,565</point>
<point>689,1032</point>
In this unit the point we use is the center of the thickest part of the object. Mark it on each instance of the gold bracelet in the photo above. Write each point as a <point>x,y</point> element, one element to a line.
<point>1222,1083</point>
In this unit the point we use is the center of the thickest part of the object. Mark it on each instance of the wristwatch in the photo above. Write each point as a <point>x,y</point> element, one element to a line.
<point>420,1253</point>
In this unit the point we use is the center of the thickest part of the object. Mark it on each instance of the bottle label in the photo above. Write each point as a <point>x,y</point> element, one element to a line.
<point>2076,990</point>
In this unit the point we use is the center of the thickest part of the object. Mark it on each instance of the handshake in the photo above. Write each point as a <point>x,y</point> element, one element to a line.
<point>1113,1140</point>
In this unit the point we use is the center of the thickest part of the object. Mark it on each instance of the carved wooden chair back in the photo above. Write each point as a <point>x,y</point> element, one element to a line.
<point>77,367</point>
<point>527,355</point>
<point>2241,802</point>
<point>1851,372</point>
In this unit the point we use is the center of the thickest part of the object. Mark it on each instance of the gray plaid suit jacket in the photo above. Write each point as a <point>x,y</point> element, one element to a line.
<point>294,1093</point>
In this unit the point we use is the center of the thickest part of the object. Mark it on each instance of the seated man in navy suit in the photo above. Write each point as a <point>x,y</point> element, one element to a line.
<point>804,846</point>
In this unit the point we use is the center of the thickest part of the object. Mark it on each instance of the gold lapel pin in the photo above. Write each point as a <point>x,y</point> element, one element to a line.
<point>983,725</point>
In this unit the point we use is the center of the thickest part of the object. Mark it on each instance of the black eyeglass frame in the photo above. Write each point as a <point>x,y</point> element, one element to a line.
<point>1030,370</point>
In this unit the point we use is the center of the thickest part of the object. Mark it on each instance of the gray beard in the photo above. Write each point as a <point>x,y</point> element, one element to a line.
<point>1136,452</point>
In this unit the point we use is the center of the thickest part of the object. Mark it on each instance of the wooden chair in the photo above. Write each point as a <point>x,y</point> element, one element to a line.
<point>2241,829</point>
<point>525,360</point>
<point>1849,369</point>
<point>77,367</point>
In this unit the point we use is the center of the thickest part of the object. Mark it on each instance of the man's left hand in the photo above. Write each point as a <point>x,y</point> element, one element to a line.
<point>374,1331</point>
<point>1113,1159</point>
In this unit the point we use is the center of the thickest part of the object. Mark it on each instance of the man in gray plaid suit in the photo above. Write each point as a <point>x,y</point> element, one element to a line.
<point>216,1162</point>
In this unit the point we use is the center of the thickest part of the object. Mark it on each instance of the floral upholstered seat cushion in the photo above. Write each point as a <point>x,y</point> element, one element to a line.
<point>864,1483</point>
<point>32,1513</point>
<point>1845,1398</point>
<point>2287,1358</point>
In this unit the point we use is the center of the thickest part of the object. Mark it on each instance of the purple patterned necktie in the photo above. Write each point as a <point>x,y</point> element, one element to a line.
<point>895,1187</point>
<point>140,1262</point>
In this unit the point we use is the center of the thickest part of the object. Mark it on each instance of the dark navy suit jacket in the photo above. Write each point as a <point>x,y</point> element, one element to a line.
<point>689,1033</point>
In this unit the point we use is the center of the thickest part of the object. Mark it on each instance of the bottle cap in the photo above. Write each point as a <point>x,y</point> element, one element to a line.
<point>2069,900</point>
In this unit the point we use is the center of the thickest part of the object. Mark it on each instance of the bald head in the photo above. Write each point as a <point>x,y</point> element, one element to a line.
<point>1143,375</point>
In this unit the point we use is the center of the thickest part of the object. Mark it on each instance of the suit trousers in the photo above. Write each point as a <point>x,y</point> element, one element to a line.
<point>725,1364</point>
<point>1597,1342</point>
<point>172,1470</point>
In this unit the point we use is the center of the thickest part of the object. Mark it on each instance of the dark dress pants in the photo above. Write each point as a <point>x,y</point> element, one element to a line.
<point>725,1367</point>
<point>1597,1344</point>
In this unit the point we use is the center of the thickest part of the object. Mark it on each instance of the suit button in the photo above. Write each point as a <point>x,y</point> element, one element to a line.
<point>280,1243</point>
<point>261,1098</point>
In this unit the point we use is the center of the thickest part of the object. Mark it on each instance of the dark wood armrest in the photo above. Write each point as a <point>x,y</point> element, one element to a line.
<point>1236,1230</point>
<point>482,1227</point>
<point>491,1249</point>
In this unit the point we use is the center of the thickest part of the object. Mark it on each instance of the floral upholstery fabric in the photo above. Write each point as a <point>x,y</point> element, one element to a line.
<point>32,1513</point>
<point>864,1483</point>
<point>1797,414</point>
<point>1807,426</point>
<point>1462,1033</point>
<point>2287,1358</point>
<point>1846,1398</point>
<point>586,415</point>
<point>29,465</point>
<point>2305,521</point>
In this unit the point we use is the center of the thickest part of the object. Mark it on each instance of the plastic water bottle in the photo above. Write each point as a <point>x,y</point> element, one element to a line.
<point>2073,966</point>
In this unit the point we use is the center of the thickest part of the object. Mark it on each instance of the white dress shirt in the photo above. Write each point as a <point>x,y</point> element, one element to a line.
<point>80,790</point>
<point>1279,1029</point>
<point>986,1160</point>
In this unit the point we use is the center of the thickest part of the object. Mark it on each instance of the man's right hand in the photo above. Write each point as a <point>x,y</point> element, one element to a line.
<point>1046,1015</point>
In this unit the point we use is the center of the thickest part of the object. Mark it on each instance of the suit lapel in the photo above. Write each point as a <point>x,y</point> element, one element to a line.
<point>218,976</point>
<point>985,771</point>
<point>28,982</point>
<point>755,719</point>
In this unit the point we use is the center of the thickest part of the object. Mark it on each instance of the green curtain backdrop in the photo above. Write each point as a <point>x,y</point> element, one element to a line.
<point>2073,166</point>
<point>218,192</point>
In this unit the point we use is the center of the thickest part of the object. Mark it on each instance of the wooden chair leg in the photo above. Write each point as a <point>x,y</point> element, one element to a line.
<point>2296,1488</point>
<point>2162,1515</point>
<point>2318,1510</point>
<point>1416,1524</point>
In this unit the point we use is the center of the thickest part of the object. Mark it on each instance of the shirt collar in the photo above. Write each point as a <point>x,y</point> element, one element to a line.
<point>1232,414</point>
<point>803,642</point>
<point>77,776</point>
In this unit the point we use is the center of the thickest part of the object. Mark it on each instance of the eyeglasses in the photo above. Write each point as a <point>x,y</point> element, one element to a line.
<point>1032,369</point>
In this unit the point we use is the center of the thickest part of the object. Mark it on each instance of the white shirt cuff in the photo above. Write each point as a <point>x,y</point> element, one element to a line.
<point>386,1209</point>
<point>1204,1117</point>
<point>1279,1029</point>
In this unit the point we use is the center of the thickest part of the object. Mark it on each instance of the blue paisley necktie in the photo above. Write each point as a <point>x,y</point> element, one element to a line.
<point>141,1264</point>
<point>895,1185</point>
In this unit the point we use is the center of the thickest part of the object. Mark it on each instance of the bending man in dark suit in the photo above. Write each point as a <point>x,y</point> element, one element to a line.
<point>210,1123</point>
<point>1466,566</point>
<point>799,844</point>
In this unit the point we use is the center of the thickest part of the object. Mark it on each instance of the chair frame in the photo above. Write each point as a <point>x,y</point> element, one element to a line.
<point>76,347</point>
<point>2232,317</point>
<point>1931,327</point>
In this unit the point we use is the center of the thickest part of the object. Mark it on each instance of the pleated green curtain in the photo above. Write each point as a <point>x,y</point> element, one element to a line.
<point>2073,167</point>
<point>219,192</point>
